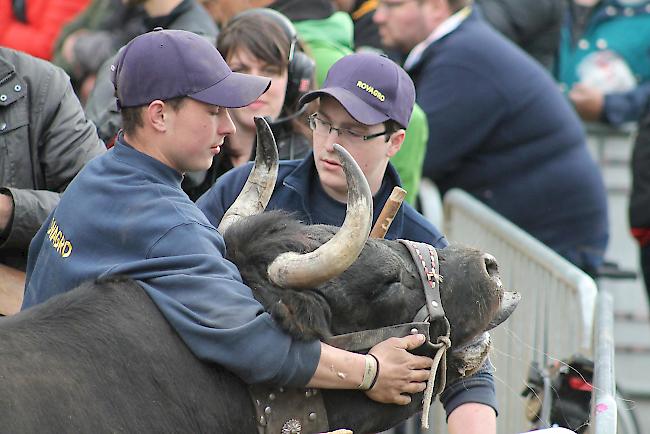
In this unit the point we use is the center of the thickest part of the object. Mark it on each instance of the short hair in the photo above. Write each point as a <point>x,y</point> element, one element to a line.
<point>391,126</point>
<point>260,34</point>
<point>132,116</point>
<point>456,5</point>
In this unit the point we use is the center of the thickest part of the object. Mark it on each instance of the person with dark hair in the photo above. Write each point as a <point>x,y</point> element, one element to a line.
<point>499,127</point>
<point>45,140</point>
<point>328,36</point>
<point>277,56</point>
<point>365,104</point>
<point>126,214</point>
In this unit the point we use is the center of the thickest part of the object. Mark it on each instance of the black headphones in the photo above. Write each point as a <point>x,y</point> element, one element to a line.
<point>301,67</point>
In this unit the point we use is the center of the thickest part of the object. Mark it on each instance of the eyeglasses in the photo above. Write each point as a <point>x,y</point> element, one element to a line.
<point>324,128</point>
<point>392,4</point>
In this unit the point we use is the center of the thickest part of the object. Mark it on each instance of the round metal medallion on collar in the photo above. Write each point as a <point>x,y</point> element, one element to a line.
<point>292,426</point>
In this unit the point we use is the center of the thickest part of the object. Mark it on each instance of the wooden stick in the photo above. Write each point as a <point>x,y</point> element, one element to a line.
<point>387,214</point>
<point>12,289</point>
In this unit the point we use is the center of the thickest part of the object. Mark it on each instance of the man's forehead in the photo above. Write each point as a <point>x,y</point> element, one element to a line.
<point>334,110</point>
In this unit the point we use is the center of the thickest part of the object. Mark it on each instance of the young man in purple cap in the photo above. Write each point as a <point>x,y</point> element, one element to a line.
<point>365,105</point>
<point>125,214</point>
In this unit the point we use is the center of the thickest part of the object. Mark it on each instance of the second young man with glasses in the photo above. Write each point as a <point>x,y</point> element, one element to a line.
<point>365,104</point>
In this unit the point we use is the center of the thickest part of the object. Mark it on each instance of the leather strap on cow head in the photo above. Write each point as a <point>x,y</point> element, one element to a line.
<point>302,410</point>
<point>426,256</point>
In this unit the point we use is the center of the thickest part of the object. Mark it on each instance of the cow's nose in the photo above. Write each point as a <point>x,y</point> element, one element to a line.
<point>490,265</point>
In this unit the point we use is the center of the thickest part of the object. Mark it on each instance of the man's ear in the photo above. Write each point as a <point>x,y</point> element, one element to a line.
<point>396,140</point>
<point>155,115</point>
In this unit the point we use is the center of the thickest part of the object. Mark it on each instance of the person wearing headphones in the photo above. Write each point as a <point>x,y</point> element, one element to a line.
<point>276,56</point>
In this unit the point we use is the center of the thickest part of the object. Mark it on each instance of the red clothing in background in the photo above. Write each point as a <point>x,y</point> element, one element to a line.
<point>45,18</point>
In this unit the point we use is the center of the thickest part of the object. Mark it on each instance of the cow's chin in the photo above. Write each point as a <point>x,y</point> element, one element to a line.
<point>466,360</point>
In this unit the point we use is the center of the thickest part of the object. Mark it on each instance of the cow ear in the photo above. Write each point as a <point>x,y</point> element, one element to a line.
<point>303,314</point>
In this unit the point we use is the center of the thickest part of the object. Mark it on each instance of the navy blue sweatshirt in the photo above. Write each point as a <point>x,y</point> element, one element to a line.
<point>500,129</point>
<point>125,213</point>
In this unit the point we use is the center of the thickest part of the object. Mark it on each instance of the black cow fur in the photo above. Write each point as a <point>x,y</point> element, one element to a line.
<point>101,358</point>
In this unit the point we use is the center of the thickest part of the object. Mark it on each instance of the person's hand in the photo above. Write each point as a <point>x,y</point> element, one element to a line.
<point>6,210</point>
<point>588,101</point>
<point>400,372</point>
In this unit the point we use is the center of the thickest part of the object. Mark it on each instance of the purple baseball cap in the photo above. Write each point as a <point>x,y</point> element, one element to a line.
<point>165,64</point>
<point>371,87</point>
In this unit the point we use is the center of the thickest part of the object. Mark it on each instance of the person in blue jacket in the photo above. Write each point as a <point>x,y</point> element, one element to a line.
<point>126,214</point>
<point>499,128</point>
<point>604,59</point>
<point>365,105</point>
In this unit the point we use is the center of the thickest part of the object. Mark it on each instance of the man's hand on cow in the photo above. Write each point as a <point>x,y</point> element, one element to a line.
<point>400,372</point>
<point>6,210</point>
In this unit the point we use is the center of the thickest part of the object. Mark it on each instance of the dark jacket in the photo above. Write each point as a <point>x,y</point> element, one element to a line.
<point>101,107</point>
<point>297,190</point>
<point>291,146</point>
<point>500,129</point>
<point>45,139</point>
<point>534,25</point>
<point>639,209</point>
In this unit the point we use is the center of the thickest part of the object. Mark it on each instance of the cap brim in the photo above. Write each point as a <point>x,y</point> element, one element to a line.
<point>234,91</point>
<point>355,106</point>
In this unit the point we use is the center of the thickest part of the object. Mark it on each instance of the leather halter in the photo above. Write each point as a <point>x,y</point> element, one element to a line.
<point>294,411</point>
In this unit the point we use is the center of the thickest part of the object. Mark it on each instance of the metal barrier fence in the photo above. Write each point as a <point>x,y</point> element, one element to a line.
<point>554,319</point>
<point>604,406</point>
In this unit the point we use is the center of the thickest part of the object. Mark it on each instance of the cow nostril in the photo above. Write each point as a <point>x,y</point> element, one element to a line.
<point>490,264</point>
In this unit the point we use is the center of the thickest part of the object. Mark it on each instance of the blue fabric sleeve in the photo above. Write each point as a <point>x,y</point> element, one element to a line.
<point>478,388</point>
<point>626,106</point>
<point>201,294</point>
<point>462,108</point>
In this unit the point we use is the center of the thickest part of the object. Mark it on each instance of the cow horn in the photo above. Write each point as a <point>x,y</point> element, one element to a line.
<point>308,270</point>
<point>259,186</point>
<point>508,304</point>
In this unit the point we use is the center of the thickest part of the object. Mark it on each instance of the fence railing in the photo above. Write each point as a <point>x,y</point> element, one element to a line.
<point>556,318</point>
<point>604,406</point>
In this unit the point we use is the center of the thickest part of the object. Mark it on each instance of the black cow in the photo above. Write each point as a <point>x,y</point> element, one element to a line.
<point>101,358</point>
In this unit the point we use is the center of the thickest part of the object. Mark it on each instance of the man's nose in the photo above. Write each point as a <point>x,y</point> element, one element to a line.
<point>332,137</point>
<point>227,126</point>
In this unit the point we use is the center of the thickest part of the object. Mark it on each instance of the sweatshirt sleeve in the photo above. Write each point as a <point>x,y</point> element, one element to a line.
<point>202,296</point>
<point>478,388</point>
<point>626,106</point>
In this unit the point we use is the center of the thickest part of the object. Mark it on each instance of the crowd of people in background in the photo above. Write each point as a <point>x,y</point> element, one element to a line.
<point>502,92</point>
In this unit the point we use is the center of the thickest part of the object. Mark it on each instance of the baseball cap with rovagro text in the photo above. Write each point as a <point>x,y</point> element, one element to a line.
<point>371,87</point>
<point>165,64</point>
